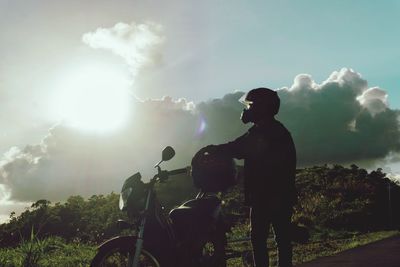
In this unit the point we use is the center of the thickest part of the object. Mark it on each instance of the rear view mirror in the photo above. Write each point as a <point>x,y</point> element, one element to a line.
<point>168,153</point>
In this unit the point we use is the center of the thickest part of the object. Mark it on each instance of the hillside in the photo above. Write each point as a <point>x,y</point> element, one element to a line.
<point>330,197</point>
<point>334,202</point>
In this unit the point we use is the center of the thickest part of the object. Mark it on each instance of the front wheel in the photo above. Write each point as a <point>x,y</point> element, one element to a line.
<point>116,253</point>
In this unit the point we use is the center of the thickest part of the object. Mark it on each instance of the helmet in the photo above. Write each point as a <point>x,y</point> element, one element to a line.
<point>260,103</point>
<point>212,171</point>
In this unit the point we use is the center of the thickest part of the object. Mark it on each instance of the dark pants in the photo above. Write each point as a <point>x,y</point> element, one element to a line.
<point>260,224</point>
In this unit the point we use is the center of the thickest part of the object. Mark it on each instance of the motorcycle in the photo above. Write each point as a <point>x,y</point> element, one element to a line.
<point>193,234</point>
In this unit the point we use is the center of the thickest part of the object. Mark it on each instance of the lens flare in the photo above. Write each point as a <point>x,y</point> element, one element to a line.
<point>202,127</point>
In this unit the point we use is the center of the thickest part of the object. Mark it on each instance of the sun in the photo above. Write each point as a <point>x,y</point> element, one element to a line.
<point>93,98</point>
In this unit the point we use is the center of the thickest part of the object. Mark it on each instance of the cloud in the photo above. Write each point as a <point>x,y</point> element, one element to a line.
<point>222,118</point>
<point>68,161</point>
<point>374,99</point>
<point>395,177</point>
<point>340,120</point>
<point>137,44</point>
<point>335,121</point>
<point>8,206</point>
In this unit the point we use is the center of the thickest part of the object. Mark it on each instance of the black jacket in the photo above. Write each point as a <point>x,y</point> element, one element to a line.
<point>269,165</point>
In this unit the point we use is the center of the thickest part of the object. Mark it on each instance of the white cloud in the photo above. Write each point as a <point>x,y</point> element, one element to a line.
<point>374,99</point>
<point>169,103</point>
<point>137,44</point>
<point>69,162</point>
<point>348,78</point>
<point>340,120</point>
<point>303,81</point>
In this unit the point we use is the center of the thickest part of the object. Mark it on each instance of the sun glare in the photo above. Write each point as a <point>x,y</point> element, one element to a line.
<point>93,98</point>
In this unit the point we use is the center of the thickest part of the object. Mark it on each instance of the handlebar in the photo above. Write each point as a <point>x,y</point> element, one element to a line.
<point>178,171</point>
<point>164,175</point>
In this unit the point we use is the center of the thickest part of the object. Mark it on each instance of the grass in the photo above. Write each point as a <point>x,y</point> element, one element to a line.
<point>55,252</point>
<point>47,252</point>
<point>320,245</point>
<point>316,249</point>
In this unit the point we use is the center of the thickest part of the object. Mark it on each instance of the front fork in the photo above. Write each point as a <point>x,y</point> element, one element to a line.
<point>134,261</point>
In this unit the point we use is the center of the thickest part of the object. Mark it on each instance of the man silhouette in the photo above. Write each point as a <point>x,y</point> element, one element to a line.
<point>269,173</point>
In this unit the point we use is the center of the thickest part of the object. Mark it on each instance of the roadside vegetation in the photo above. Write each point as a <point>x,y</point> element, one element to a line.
<point>318,246</point>
<point>342,208</point>
<point>47,252</point>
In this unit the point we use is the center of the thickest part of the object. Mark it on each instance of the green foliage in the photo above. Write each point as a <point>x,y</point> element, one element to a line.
<point>346,198</point>
<point>47,252</point>
<point>337,204</point>
<point>331,199</point>
<point>88,221</point>
<point>334,198</point>
<point>58,253</point>
<point>327,247</point>
<point>32,250</point>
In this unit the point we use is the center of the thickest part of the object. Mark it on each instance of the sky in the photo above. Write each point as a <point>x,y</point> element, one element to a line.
<point>86,87</point>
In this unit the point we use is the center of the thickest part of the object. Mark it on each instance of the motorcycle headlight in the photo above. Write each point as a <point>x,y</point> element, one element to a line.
<point>123,198</point>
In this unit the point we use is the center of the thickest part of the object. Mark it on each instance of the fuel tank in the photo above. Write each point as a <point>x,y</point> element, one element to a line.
<point>196,216</point>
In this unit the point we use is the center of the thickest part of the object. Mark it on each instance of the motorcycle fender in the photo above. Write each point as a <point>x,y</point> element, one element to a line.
<point>127,240</point>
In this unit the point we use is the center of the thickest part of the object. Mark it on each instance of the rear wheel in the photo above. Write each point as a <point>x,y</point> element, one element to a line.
<point>116,253</point>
